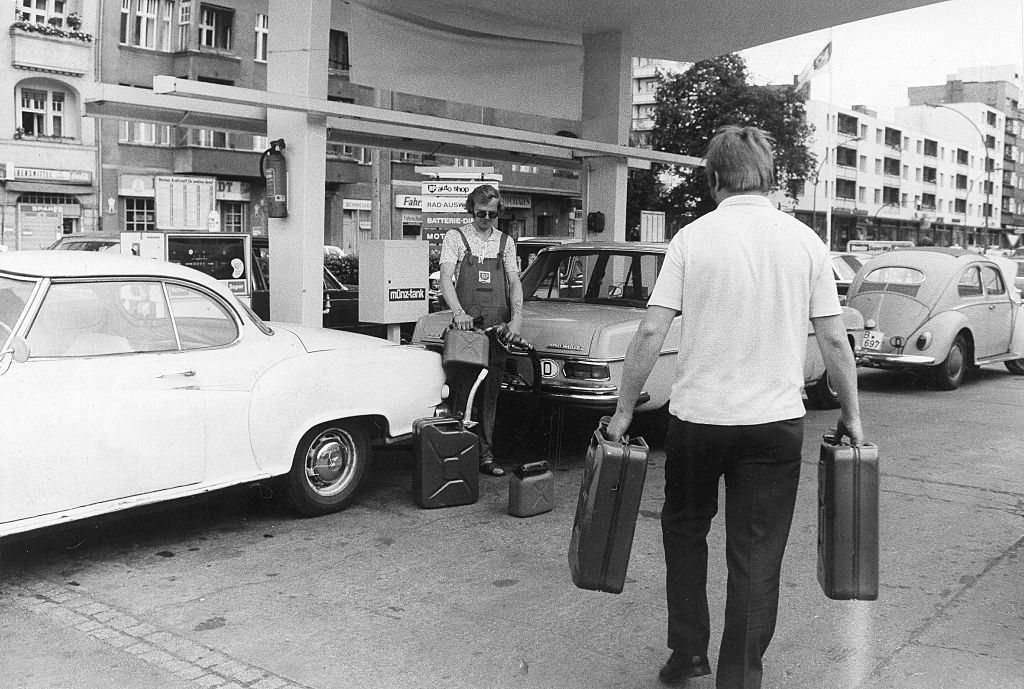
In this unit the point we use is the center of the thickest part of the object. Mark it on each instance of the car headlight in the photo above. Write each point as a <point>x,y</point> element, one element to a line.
<point>583,370</point>
<point>923,340</point>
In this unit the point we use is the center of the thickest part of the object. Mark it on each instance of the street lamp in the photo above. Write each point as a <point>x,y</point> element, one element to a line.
<point>814,201</point>
<point>878,223</point>
<point>988,169</point>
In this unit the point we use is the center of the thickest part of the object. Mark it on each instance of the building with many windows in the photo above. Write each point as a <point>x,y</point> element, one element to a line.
<point>928,172</point>
<point>146,163</point>
<point>47,147</point>
<point>998,88</point>
<point>646,78</point>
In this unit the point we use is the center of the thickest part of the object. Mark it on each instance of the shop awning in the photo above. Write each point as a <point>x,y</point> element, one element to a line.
<point>49,188</point>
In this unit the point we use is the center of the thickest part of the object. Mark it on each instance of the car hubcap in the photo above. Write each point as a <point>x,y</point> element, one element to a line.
<point>331,462</point>
<point>955,364</point>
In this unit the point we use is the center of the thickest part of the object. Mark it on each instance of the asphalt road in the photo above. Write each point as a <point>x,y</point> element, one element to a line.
<point>231,590</point>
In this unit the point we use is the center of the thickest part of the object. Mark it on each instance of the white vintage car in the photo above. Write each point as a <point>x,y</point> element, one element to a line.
<point>126,381</point>
<point>582,305</point>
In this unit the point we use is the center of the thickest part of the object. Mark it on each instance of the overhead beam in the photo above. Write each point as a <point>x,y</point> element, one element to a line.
<point>130,103</point>
<point>344,116</point>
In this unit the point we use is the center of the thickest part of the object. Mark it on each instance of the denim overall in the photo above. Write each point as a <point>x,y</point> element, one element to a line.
<point>482,290</point>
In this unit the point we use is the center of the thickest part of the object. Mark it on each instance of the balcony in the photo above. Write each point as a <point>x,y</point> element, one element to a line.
<point>38,52</point>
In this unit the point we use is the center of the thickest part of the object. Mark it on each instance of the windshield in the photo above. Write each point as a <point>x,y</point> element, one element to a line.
<point>14,296</point>
<point>594,277</point>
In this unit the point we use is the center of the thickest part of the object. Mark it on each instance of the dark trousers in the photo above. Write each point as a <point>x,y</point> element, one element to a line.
<point>761,466</point>
<point>485,404</point>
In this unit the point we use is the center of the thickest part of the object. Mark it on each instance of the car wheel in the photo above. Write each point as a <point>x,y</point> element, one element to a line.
<point>330,465</point>
<point>1015,366</point>
<point>950,373</point>
<point>821,395</point>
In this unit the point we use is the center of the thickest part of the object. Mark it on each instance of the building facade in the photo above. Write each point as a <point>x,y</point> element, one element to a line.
<point>927,172</point>
<point>999,88</point>
<point>48,150</point>
<point>148,168</point>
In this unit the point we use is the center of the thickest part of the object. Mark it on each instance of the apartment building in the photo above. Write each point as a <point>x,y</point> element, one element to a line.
<point>998,87</point>
<point>646,77</point>
<point>47,148</point>
<point>146,163</point>
<point>928,172</point>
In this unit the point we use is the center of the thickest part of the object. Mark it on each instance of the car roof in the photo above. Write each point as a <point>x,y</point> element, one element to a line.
<point>652,247</point>
<point>938,263</point>
<point>76,264</point>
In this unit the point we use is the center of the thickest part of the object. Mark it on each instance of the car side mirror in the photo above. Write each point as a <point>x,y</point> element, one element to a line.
<point>17,351</point>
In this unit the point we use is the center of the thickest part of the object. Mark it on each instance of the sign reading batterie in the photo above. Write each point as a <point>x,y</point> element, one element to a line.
<point>443,203</point>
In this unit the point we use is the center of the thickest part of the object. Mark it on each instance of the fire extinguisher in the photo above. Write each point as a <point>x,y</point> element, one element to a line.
<point>274,170</point>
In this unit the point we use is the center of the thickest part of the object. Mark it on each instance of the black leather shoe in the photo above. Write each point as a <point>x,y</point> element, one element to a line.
<point>680,666</point>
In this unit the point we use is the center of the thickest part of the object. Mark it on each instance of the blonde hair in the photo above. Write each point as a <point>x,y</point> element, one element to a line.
<point>481,196</point>
<point>740,159</point>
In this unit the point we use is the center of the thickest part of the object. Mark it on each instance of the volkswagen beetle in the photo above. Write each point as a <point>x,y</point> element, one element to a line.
<point>940,311</point>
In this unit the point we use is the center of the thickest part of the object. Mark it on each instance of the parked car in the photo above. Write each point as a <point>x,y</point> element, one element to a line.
<point>1018,279</point>
<point>940,311</point>
<point>844,266</point>
<point>88,241</point>
<point>583,303</point>
<point>126,381</point>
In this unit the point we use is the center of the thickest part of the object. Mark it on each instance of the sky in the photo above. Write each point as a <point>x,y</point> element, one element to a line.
<point>875,60</point>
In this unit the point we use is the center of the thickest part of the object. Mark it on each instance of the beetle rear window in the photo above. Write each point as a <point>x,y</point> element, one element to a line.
<point>893,279</point>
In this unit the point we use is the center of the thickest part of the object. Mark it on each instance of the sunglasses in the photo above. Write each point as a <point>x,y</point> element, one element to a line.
<point>486,214</point>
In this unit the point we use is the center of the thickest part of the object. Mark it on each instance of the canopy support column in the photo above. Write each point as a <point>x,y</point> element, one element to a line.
<point>607,112</point>
<point>297,65</point>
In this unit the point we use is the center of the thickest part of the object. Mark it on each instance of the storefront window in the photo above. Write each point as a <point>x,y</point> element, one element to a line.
<point>139,215</point>
<point>232,216</point>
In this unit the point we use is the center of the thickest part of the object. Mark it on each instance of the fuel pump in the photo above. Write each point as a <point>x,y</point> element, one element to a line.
<point>274,169</point>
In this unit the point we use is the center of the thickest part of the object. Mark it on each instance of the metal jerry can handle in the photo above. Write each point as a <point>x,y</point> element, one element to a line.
<point>601,435</point>
<point>832,437</point>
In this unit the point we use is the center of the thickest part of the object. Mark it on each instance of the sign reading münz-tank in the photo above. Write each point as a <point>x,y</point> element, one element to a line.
<point>444,202</point>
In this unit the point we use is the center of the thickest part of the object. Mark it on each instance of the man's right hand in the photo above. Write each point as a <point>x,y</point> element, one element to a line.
<point>852,429</point>
<point>463,322</point>
<point>618,426</point>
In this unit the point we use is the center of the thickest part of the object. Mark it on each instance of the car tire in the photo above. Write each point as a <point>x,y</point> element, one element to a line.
<point>950,373</point>
<point>821,394</point>
<point>1015,366</point>
<point>331,464</point>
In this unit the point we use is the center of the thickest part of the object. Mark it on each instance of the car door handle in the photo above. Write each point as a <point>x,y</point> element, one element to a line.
<point>183,374</point>
<point>991,307</point>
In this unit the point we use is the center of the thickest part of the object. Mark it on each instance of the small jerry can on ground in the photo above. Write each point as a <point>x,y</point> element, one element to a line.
<point>848,519</point>
<point>531,490</point>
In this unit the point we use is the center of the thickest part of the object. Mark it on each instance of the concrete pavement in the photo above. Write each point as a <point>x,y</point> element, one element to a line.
<point>233,591</point>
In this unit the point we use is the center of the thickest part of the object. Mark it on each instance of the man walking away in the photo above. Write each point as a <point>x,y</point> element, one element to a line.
<point>744,278</point>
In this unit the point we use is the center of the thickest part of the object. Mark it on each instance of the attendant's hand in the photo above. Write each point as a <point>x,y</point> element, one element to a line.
<point>463,321</point>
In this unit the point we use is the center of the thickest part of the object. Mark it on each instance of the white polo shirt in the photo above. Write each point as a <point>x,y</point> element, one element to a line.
<point>745,279</point>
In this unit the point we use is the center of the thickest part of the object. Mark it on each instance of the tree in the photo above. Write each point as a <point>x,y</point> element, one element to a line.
<point>690,106</point>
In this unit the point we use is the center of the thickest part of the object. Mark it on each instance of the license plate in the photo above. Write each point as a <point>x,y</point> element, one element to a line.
<point>872,340</point>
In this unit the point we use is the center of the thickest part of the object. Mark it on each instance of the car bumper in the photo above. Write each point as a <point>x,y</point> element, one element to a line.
<point>883,359</point>
<point>603,398</point>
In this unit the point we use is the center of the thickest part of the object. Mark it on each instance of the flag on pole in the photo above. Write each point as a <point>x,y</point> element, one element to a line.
<point>815,67</point>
